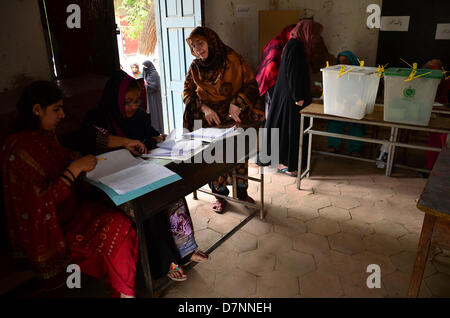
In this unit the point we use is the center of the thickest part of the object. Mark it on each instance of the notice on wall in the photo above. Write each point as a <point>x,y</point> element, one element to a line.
<point>399,24</point>
<point>443,31</point>
<point>242,11</point>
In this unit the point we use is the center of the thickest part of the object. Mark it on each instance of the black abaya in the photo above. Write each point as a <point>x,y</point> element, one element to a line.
<point>293,85</point>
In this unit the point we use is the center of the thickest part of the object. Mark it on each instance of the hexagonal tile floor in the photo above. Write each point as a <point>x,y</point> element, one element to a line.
<point>317,242</point>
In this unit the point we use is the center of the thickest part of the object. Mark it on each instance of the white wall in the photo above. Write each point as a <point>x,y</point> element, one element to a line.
<point>344,24</point>
<point>22,44</point>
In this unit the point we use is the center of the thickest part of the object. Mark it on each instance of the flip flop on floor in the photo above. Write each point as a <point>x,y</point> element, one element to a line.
<point>174,268</point>
<point>219,206</point>
<point>250,200</point>
<point>288,173</point>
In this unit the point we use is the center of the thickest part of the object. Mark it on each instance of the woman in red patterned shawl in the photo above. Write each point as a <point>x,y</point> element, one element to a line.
<point>48,223</point>
<point>220,90</point>
<point>267,73</point>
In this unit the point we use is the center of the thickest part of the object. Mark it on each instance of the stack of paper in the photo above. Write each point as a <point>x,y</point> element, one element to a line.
<point>174,149</point>
<point>129,176</point>
<point>210,134</point>
<point>177,149</point>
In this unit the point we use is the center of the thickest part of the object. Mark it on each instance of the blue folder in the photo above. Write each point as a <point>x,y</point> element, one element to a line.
<point>119,199</point>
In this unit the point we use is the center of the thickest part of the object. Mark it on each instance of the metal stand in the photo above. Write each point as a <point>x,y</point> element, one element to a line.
<point>392,143</point>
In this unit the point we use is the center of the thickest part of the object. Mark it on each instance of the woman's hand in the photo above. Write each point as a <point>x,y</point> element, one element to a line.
<point>136,147</point>
<point>210,116</point>
<point>300,103</point>
<point>160,138</point>
<point>84,164</point>
<point>234,113</point>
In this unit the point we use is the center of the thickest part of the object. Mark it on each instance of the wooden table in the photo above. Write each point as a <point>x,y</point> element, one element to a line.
<point>194,176</point>
<point>316,110</point>
<point>435,202</point>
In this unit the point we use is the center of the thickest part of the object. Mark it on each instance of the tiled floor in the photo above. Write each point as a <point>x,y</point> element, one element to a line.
<point>317,242</point>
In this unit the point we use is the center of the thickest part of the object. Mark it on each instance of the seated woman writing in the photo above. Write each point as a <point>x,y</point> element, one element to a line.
<point>48,223</point>
<point>117,122</point>
<point>220,90</point>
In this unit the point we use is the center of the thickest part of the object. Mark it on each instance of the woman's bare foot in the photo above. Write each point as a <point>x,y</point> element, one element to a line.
<point>199,257</point>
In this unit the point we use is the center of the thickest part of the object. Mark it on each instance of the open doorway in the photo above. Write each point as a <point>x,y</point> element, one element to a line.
<point>137,40</point>
<point>87,49</point>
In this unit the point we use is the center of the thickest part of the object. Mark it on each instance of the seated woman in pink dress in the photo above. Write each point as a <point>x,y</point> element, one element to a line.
<point>49,224</point>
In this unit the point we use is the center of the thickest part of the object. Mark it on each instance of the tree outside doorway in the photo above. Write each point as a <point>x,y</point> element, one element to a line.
<point>137,40</point>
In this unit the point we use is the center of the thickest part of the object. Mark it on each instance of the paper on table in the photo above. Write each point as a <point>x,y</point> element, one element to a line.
<point>136,177</point>
<point>169,142</point>
<point>114,161</point>
<point>123,173</point>
<point>210,133</point>
<point>182,150</point>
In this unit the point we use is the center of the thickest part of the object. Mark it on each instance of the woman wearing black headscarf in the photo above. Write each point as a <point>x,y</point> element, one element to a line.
<point>292,92</point>
<point>154,104</point>
<point>119,117</point>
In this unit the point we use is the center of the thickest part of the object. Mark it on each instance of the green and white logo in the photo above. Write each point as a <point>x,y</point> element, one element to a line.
<point>409,92</point>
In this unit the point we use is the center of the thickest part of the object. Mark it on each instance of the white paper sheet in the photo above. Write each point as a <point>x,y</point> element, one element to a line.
<point>169,142</point>
<point>124,173</point>
<point>395,23</point>
<point>442,31</point>
<point>183,150</point>
<point>210,133</point>
<point>115,161</point>
<point>136,177</point>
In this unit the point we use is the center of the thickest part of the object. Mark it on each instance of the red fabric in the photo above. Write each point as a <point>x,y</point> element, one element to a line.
<point>267,73</point>
<point>49,225</point>
<point>436,140</point>
<point>143,94</point>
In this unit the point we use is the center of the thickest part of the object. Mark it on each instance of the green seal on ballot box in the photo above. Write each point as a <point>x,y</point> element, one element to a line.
<point>409,92</point>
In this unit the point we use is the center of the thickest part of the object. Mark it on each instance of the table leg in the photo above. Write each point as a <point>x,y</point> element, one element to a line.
<point>422,255</point>
<point>309,149</point>
<point>388,161</point>
<point>143,266</point>
<point>261,176</point>
<point>234,184</point>
<point>392,153</point>
<point>195,195</point>
<point>299,169</point>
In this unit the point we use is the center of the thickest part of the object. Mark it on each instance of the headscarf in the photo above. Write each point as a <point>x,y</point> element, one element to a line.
<point>137,74</point>
<point>267,73</point>
<point>112,103</point>
<point>149,67</point>
<point>223,78</point>
<point>309,32</point>
<point>434,64</point>
<point>350,56</point>
<point>110,117</point>
<point>443,91</point>
<point>217,53</point>
<point>151,76</point>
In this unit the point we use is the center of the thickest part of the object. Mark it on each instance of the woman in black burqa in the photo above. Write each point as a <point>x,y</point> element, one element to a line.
<point>292,93</point>
<point>154,103</point>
